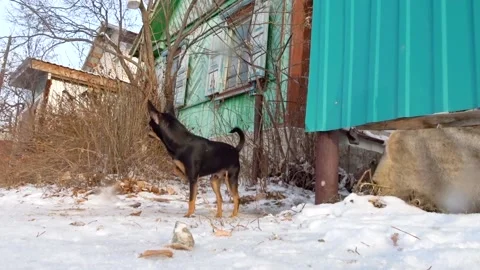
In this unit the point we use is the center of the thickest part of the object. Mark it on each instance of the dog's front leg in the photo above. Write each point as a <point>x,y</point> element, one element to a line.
<point>180,174</point>
<point>193,196</point>
<point>179,170</point>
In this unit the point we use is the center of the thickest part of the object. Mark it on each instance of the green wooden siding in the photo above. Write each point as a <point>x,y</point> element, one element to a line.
<point>210,118</point>
<point>278,39</point>
<point>379,60</point>
<point>199,119</point>
<point>197,81</point>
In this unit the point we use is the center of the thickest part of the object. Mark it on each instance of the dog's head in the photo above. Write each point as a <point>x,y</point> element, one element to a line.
<point>159,118</point>
<point>163,120</point>
<point>155,115</point>
<point>166,128</point>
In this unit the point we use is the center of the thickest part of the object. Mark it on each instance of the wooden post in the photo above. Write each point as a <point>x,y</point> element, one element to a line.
<point>299,63</point>
<point>326,166</point>
<point>257,138</point>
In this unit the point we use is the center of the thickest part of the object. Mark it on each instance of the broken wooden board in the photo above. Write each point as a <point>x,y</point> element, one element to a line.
<point>455,119</point>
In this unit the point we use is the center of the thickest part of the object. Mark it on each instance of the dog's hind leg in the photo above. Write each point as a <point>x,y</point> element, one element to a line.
<point>215,181</point>
<point>232,182</point>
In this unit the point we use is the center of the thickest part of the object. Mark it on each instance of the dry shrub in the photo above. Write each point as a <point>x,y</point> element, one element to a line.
<point>85,139</point>
<point>300,174</point>
<point>5,154</point>
<point>287,155</point>
<point>436,169</point>
<point>367,186</point>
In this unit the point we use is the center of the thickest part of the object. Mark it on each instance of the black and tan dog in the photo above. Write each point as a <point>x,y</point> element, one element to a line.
<point>195,156</point>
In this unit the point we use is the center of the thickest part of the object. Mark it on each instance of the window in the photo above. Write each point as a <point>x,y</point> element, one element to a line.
<point>237,69</point>
<point>238,49</point>
<point>179,82</point>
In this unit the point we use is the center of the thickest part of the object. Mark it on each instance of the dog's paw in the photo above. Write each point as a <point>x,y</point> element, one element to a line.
<point>188,215</point>
<point>218,215</point>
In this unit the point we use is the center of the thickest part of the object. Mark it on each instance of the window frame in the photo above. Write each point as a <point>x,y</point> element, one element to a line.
<point>176,59</point>
<point>242,15</point>
<point>232,31</point>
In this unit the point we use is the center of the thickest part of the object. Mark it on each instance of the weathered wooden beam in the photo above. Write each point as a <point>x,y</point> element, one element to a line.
<point>299,64</point>
<point>326,166</point>
<point>78,76</point>
<point>257,141</point>
<point>457,119</point>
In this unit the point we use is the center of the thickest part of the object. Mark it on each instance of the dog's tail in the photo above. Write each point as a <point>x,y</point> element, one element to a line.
<point>242,138</point>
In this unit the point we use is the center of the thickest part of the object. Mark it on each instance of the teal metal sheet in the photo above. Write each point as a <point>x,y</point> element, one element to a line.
<point>377,60</point>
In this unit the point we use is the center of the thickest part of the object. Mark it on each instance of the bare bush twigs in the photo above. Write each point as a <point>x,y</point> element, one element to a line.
<point>85,139</point>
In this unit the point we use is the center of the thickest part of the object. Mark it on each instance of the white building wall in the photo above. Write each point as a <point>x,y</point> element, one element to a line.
<point>109,64</point>
<point>57,88</point>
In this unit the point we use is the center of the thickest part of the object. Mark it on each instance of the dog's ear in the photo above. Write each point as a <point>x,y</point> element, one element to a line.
<point>154,114</point>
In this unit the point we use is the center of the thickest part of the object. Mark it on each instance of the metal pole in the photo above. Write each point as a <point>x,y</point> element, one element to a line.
<point>326,166</point>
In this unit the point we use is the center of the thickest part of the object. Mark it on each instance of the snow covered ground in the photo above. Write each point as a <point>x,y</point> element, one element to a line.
<point>37,231</point>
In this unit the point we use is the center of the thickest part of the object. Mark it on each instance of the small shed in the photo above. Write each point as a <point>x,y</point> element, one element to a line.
<point>50,80</point>
<point>375,62</point>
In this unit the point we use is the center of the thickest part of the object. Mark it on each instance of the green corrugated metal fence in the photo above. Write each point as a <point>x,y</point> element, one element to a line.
<point>376,60</point>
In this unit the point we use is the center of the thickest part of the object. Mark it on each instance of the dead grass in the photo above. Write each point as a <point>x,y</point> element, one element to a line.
<point>366,186</point>
<point>87,141</point>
